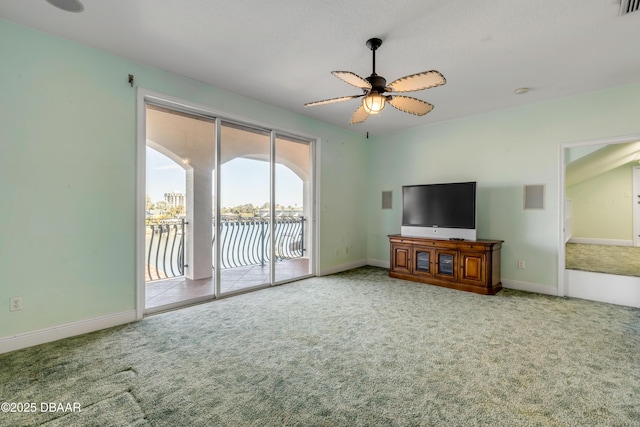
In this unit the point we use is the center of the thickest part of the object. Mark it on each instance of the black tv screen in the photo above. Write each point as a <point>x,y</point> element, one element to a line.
<point>440,205</point>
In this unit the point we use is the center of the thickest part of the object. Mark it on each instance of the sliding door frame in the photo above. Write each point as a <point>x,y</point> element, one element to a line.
<point>144,97</point>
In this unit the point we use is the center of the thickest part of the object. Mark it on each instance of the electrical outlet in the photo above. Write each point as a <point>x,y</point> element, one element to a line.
<point>520,263</point>
<point>15,304</point>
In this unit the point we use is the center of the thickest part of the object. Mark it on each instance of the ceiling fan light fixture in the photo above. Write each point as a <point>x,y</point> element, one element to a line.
<point>376,93</point>
<point>374,103</point>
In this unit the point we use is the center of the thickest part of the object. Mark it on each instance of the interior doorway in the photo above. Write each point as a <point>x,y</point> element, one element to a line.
<point>597,252</point>
<point>636,205</point>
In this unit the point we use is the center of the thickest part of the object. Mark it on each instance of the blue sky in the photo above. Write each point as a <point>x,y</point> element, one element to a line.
<point>244,181</point>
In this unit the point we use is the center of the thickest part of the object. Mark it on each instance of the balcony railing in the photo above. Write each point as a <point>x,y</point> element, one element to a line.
<point>246,241</point>
<point>164,245</point>
<point>243,242</point>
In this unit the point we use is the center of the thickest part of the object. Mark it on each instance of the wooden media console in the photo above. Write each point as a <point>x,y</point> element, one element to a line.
<point>466,265</point>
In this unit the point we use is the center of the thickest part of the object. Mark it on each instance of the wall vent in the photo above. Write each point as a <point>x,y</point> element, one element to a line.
<point>534,196</point>
<point>387,197</point>
<point>628,6</point>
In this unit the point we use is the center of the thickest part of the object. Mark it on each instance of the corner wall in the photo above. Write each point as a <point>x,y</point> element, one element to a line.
<point>502,151</point>
<point>68,181</point>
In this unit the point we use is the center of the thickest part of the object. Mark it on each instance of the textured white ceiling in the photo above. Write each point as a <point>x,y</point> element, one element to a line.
<point>281,52</point>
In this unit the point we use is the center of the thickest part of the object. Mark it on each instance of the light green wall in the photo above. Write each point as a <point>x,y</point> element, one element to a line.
<point>68,177</point>
<point>602,206</point>
<point>502,151</point>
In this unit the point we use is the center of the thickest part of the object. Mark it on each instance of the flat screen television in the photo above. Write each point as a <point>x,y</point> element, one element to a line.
<point>446,211</point>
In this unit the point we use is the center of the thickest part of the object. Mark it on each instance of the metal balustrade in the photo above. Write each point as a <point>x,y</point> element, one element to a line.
<point>165,250</point>
<point>244,242</point>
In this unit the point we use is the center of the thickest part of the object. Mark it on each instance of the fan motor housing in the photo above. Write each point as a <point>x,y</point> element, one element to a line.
<point>378,83</point>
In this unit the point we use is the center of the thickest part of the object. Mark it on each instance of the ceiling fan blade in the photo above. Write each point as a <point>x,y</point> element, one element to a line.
<point>352,79</point>
<point>419,81</point>
<point>411,105</point>
<point>331,101</point>
<point>359,116</point>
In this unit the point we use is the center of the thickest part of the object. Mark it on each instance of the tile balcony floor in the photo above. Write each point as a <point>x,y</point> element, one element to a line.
<point>170,291</point>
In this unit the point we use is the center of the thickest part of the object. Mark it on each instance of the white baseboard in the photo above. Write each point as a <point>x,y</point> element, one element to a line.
<point>609,288</point>
<point>511,284</point>
<point>342,267</point>
<point>54,333</point>
<point>530,287</point>
<point>594,241</point>
<point>379,263</point>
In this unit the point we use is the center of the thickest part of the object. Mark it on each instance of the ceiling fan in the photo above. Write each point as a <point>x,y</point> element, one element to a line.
<point>375,89</point>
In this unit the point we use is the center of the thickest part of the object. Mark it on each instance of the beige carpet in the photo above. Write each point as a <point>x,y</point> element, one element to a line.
<point>621,260</point>
<point>352,349</point>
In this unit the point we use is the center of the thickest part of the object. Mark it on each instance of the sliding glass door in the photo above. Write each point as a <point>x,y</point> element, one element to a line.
<point>243,249</point>
<point>263,233</point>
<point>236,215</point>
<point>179,158</point>
<point>292,225</point>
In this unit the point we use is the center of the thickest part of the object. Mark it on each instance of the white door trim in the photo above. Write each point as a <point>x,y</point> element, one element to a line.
<point>562,276</point>
<point>635,200</point>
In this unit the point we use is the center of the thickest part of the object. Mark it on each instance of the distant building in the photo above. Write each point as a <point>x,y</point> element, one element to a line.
<point>174,199</point>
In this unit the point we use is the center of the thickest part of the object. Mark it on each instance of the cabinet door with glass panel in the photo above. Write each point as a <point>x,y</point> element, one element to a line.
<point>423,259</point>
<point>445,264</point>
